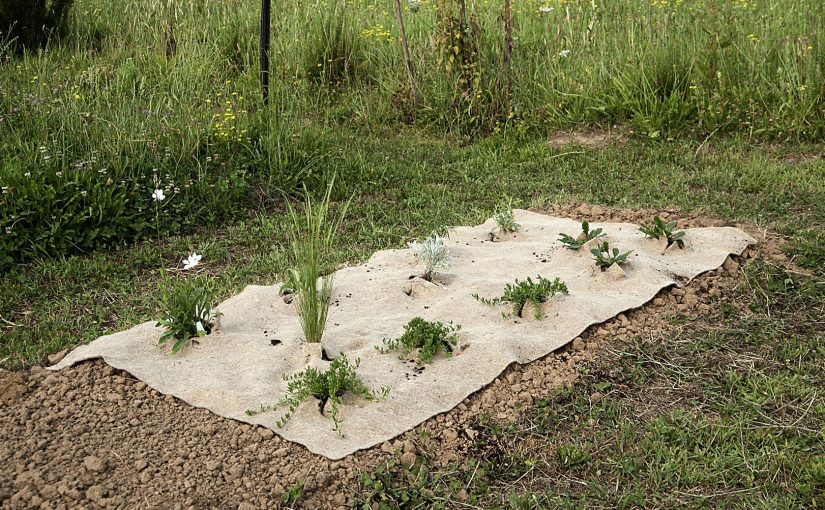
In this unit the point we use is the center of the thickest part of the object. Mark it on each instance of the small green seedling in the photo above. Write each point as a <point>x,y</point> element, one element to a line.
<point>519,293</point>
<point>505,219</point>
<point>605,258</point>
<point>429,338</point>
<point>327,387</point>
<point>574,243</point>
<point>187,312</point>
<point>660,230</point>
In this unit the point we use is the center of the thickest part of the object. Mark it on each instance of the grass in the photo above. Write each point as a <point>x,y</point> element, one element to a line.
<point>165,96</point>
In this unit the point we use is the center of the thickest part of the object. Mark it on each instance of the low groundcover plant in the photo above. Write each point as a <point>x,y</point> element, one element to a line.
<point>429,338</point>
<point>327,387</point>
<point>660,230</point>
<point>188,314</point>
<point>520,292</point>
<point>574,243</point>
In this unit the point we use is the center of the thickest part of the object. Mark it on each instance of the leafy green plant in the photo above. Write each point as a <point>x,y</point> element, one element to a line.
<point>429,338</point>
<point>327,387</point>
<point>660,230</point>
<point>505,219</point>
<point>605,258</point>
<point>311,235</point>
<point>574,243</point>
<point>188,314</point>
<point>433,252</point>
<point>520,292</point>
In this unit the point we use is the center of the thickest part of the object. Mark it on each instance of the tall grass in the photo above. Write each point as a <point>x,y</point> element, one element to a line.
<point>153,94</point>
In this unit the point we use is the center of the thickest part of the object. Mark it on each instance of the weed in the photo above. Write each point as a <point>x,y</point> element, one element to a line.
<point>604,257</point>
<point>505,219</point>
<point>433,252</point>
<point>187,311</point>
<point>312,235</point>
<point>429,338</point>
<point>520,292</point>
<point>294,493</point>
<point>574,243</point>
<point>660,230</point>
<point>327,387</point>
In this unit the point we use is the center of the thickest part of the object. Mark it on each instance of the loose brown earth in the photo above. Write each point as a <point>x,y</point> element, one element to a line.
<point>94,437</point>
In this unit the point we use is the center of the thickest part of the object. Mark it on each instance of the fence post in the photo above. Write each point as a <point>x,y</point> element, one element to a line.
<point>266,7</point>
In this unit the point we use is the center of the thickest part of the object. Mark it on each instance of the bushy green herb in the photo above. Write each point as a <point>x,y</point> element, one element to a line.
<point>327,387</point>
<point>311,235</point>
<point>505,219</point>
<point>574,243</point>
<point>433,252</point>
<point>188,314</point>
<point>429,337</point>
<point>520,292</point>
<point>605,258</point>
<point>660,230</point>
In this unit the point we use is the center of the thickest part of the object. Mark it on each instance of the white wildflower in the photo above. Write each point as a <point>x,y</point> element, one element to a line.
<point>158,195</point>
<point>564,53</point>
<point>192,261</point>
<point>546,8</point>
<point>414,5</point>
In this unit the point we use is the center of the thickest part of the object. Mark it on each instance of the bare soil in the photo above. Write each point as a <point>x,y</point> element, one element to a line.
<point>94,437</point>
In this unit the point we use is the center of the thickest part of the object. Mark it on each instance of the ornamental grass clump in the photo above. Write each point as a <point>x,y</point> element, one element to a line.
<point>574,243</point>
<point>188,313</point>
<point>429,338</point>
<point>520,292</point>
<point>433,253</point>
<point>311,234</point>
<point>327,387</point>
<point>662,230</point>
<point>605,258</point>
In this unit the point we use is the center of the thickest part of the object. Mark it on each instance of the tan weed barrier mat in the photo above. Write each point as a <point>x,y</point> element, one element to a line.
<point>238,368</point>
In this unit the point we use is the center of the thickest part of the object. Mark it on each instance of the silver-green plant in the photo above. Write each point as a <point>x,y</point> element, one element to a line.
<point>433,253</point>
<point>311,235</point>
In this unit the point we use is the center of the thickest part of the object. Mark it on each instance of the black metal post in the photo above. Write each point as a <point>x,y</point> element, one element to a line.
<point>265,38</point>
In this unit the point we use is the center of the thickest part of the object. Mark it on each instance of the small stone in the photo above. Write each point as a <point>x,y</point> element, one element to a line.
<point>145,476</point>
<point>408,459</point>
<point>578,344</point>
<point>462,496</point>
<point>266,433</point>
<point>95,493</point>
<point>94,464</point>
<point>596,396</point>
<point>57,357</point>
<point>50,380</point>
<point>141,465</point>
<point>450,435</point>
<point>730,265</point>
<point>212,465</point>
<point>140,385</point>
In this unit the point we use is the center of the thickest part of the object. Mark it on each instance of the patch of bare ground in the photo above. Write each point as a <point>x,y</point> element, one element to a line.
<point>594,139</point>
<point>94,437</point>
